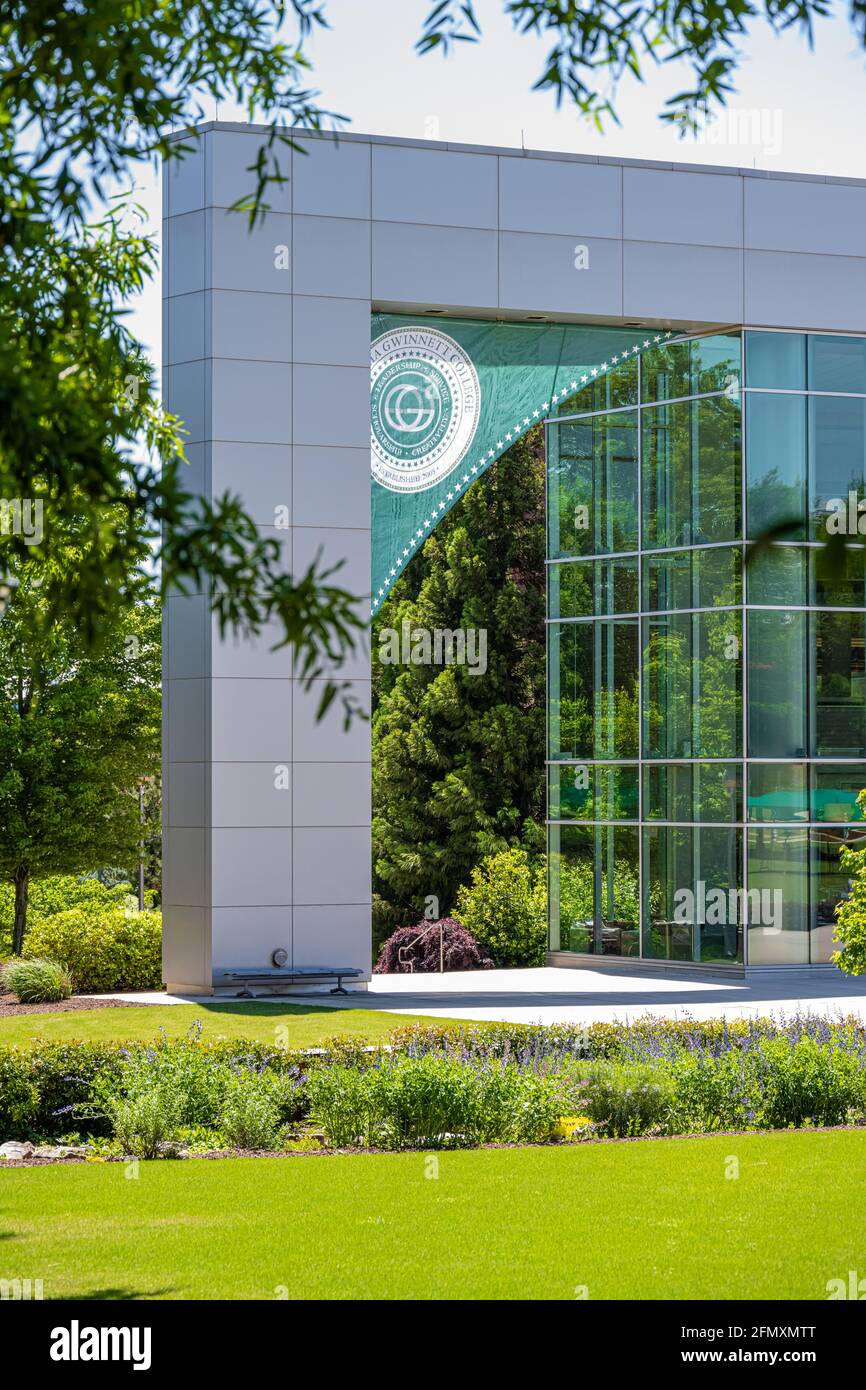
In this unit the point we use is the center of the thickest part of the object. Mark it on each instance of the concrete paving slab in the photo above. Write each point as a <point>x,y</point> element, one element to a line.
<point>552,995</point>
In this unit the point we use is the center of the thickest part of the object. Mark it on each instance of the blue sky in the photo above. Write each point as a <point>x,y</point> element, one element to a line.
<point>795,109</point>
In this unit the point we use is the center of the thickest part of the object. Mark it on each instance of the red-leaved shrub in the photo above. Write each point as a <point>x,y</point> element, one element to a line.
<point>417,950</point>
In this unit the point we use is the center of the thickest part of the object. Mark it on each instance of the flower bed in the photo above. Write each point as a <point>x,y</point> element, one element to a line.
<point>439,1087</point>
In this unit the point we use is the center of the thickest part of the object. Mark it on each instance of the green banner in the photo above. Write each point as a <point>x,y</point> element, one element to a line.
<point>449,397</point>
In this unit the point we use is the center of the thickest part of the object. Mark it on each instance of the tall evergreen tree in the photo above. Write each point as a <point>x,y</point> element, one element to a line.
<point>458,757</point>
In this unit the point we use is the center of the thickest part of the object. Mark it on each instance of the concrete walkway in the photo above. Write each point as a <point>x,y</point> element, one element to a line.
<point>549,995</point>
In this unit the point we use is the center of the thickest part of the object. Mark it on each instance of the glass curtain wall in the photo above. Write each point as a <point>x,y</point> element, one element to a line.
<point>707,697</point>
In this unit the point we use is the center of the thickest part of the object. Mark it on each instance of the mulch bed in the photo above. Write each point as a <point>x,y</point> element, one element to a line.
<point>9,1006</point>
<point>31,1161</point>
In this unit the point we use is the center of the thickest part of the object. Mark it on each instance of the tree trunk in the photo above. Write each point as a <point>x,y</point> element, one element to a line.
<point>21,879</point>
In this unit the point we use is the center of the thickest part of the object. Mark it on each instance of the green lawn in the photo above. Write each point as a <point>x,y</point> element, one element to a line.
<point>305,1025</point>
<point>654,1219</point>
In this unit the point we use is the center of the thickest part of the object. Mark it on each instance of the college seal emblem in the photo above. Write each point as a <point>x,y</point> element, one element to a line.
<point>424,407</point>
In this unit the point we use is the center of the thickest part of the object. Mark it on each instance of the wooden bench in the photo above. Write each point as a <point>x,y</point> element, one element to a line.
<point>280,975</point>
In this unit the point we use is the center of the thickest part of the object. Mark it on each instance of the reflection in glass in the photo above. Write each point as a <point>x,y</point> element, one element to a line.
<point>776,361</point>
<point>777,684</point>
<point>594,876</point>
<point>693,792</point>
<point>708,578</point>
<point>778,792</point>
<point>587,792</point>
<point>806,672</point>
<point>665,372</point>
<point>691,472</point>
<point>830,884</point>
<point>692,670</point>
<point>837,364</point>
<point>593,689</point>
<point>778,896</point>
<point>776,575</point>
<point>715,363</point>
<point>592,485</point>
<point>698,367</point>
<point>840,685</point>
<point>693,894</point>
<point>835,788</point>
<point>775,462</point>
<point>837,459</point>
<point>587,588</point>
<point>839,580</point>
<point>612,390</point>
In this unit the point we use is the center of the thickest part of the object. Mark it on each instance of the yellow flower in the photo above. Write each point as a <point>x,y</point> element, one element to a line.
<point>567,1124</point>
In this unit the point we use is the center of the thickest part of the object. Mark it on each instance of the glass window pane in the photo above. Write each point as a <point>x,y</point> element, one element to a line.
<point>588,588</point>
<point>840,685</point>
<point>776,361</point>
<point>837,364</point>
<point>717,577</point>
<point>837,462</point>
<point>674,370</point>
<point>777,792</point>
<point>592,485</point>
<point>778,906</point>
<point>777,684</point>
<point>668,581</point>
<point>835,788</point>
<point>615,388</point>
<point>667,674</point>
<point>594,878</point>
<point>693,897</point>
<point>593,689</point>
<point>717,685</point>
<point>839,578</point>
<point>830,884</point>
<point>665,372</point>
<point>705,578</point>
<point>570,590</point>
<point>693,792</point>
<point>715,363</point>
<point>776,575</point>
<point>692,685</point>
<point>775,462</point>
<point>691,472</point>
<point>586,792</point>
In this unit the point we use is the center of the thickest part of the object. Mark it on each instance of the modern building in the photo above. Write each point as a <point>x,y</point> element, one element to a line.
<point>707,728</point>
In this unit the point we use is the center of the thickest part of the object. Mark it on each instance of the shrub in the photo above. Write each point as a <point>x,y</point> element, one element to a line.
<point>505,908</point>
<point>341,1102</point>
<point>627,1101</point>
<point>807,1083</point>
<point>59,893</point>
<point>49,1089</point>
<point>146,1124</point>
<point>777,1083</point>
<point>432,1102</point>
<point>46,1089</point>
<point>417,949</point>
<point>851,911</point>
<point>37,981</point>
<point>183,1074</point>
<point>104,948</point>
<point>250,1116</point>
